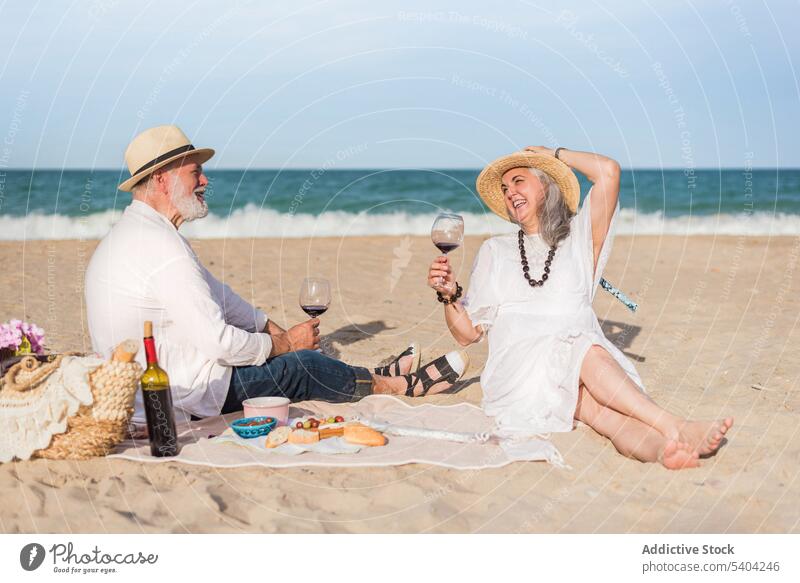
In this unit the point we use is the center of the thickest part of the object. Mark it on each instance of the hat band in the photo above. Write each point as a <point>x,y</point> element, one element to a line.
<point>165,156</point>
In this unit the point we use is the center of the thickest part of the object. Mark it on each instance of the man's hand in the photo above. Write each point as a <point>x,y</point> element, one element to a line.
<point>304,336</point>
<point>272,328</point>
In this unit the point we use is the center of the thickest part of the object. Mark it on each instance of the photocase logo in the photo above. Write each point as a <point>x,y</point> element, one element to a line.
<point>31,556</point>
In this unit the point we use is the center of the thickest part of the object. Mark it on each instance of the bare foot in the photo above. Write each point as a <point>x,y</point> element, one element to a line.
<point>704,437</point>
<point>678,456</point>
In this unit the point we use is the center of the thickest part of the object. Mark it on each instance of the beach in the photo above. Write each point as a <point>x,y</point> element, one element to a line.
<point>715,334</point>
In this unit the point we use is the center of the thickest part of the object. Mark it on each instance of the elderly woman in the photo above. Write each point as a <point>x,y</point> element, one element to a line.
<point>531,294</point>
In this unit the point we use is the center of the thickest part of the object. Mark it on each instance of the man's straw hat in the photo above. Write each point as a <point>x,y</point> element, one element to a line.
<point>157,147</point>
<point>490,179</point>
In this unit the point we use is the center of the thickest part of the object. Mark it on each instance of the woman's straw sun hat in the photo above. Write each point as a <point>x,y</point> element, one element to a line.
<point>489,181</point>
<point>157,147</point>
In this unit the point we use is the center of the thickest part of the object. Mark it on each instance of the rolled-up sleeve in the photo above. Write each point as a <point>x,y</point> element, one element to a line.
<point>180,285</point>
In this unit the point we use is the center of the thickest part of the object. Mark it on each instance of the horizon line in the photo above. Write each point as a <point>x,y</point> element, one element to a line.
<point>371,169</point>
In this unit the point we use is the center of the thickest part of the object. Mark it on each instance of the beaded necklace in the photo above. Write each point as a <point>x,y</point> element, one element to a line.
<point>526,269</point>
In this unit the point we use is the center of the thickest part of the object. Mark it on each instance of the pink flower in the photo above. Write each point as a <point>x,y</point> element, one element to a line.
<point>12,333</point>
<point>35,336</point>
<point>10,337</point>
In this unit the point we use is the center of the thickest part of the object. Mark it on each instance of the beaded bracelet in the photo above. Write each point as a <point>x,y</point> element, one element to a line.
<point>453,298</point>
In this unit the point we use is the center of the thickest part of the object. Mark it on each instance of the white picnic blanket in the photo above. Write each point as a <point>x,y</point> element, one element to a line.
<point>225,451</point>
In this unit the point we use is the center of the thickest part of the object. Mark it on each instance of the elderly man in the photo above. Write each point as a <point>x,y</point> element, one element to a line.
<point>217,349</point>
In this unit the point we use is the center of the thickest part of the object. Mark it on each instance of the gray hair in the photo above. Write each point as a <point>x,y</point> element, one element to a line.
<point>554,214</point>
<point>140,188</point>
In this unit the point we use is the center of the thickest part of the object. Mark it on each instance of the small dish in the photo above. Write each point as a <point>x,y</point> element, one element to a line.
<point>250,427</point>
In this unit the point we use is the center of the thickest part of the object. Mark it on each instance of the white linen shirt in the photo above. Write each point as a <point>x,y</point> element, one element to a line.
<point>143,269</point>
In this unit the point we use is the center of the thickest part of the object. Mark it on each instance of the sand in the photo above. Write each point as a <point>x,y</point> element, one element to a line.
<point>716,335</point>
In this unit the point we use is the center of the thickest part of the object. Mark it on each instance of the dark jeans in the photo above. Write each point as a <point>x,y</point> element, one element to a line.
<point>300,376</point>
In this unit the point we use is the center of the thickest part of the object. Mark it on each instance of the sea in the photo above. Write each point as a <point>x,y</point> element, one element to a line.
<point>83,204</point>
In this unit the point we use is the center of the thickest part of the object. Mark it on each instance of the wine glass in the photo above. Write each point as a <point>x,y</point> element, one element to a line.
<point>315,296</point>
<point>447,232</point>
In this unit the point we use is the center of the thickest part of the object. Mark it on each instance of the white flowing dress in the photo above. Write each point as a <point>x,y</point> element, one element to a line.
<point>538,337</point>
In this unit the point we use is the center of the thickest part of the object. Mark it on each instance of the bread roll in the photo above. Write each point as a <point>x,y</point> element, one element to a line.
<point>362,435</point>
<point>278,436</point>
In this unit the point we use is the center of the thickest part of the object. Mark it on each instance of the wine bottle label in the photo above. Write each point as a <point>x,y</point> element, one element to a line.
<point>160,423</point>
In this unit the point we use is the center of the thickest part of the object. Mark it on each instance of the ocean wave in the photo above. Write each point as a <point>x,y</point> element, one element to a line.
<point>251,221</point>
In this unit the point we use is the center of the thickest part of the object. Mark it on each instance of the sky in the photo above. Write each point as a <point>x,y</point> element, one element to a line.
<point>302,84</point>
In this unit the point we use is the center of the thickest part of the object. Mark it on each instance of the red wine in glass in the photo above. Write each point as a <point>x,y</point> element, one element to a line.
<point>446,247</point>
<point>314,311</point>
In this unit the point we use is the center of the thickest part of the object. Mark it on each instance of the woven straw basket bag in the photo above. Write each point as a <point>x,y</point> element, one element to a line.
<point>73,407</point>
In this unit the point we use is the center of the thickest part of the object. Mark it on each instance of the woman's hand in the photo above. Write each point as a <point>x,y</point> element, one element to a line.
<point>441,276</point>
<point>541,150</point>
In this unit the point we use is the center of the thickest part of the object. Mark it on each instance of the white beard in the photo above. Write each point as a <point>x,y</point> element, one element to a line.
<point>189,206</point>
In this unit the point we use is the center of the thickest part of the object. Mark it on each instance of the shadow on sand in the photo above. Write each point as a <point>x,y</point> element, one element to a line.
<point>350,335</point>
<point>622,335</point>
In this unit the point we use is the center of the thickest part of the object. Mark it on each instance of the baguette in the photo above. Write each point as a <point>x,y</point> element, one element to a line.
<point>125,351</point>
<point>331,432</point>
<point>303,436</point>
<point>362,435</point>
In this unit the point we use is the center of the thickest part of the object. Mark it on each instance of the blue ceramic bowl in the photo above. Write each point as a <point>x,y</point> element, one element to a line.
<point>243,429</point>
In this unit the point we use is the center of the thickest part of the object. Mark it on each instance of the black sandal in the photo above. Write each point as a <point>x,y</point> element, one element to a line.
<point>446,372</point>
<point>393,368</point>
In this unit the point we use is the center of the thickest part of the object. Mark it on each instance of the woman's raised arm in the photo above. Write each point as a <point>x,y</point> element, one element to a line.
<point>604,173</point>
